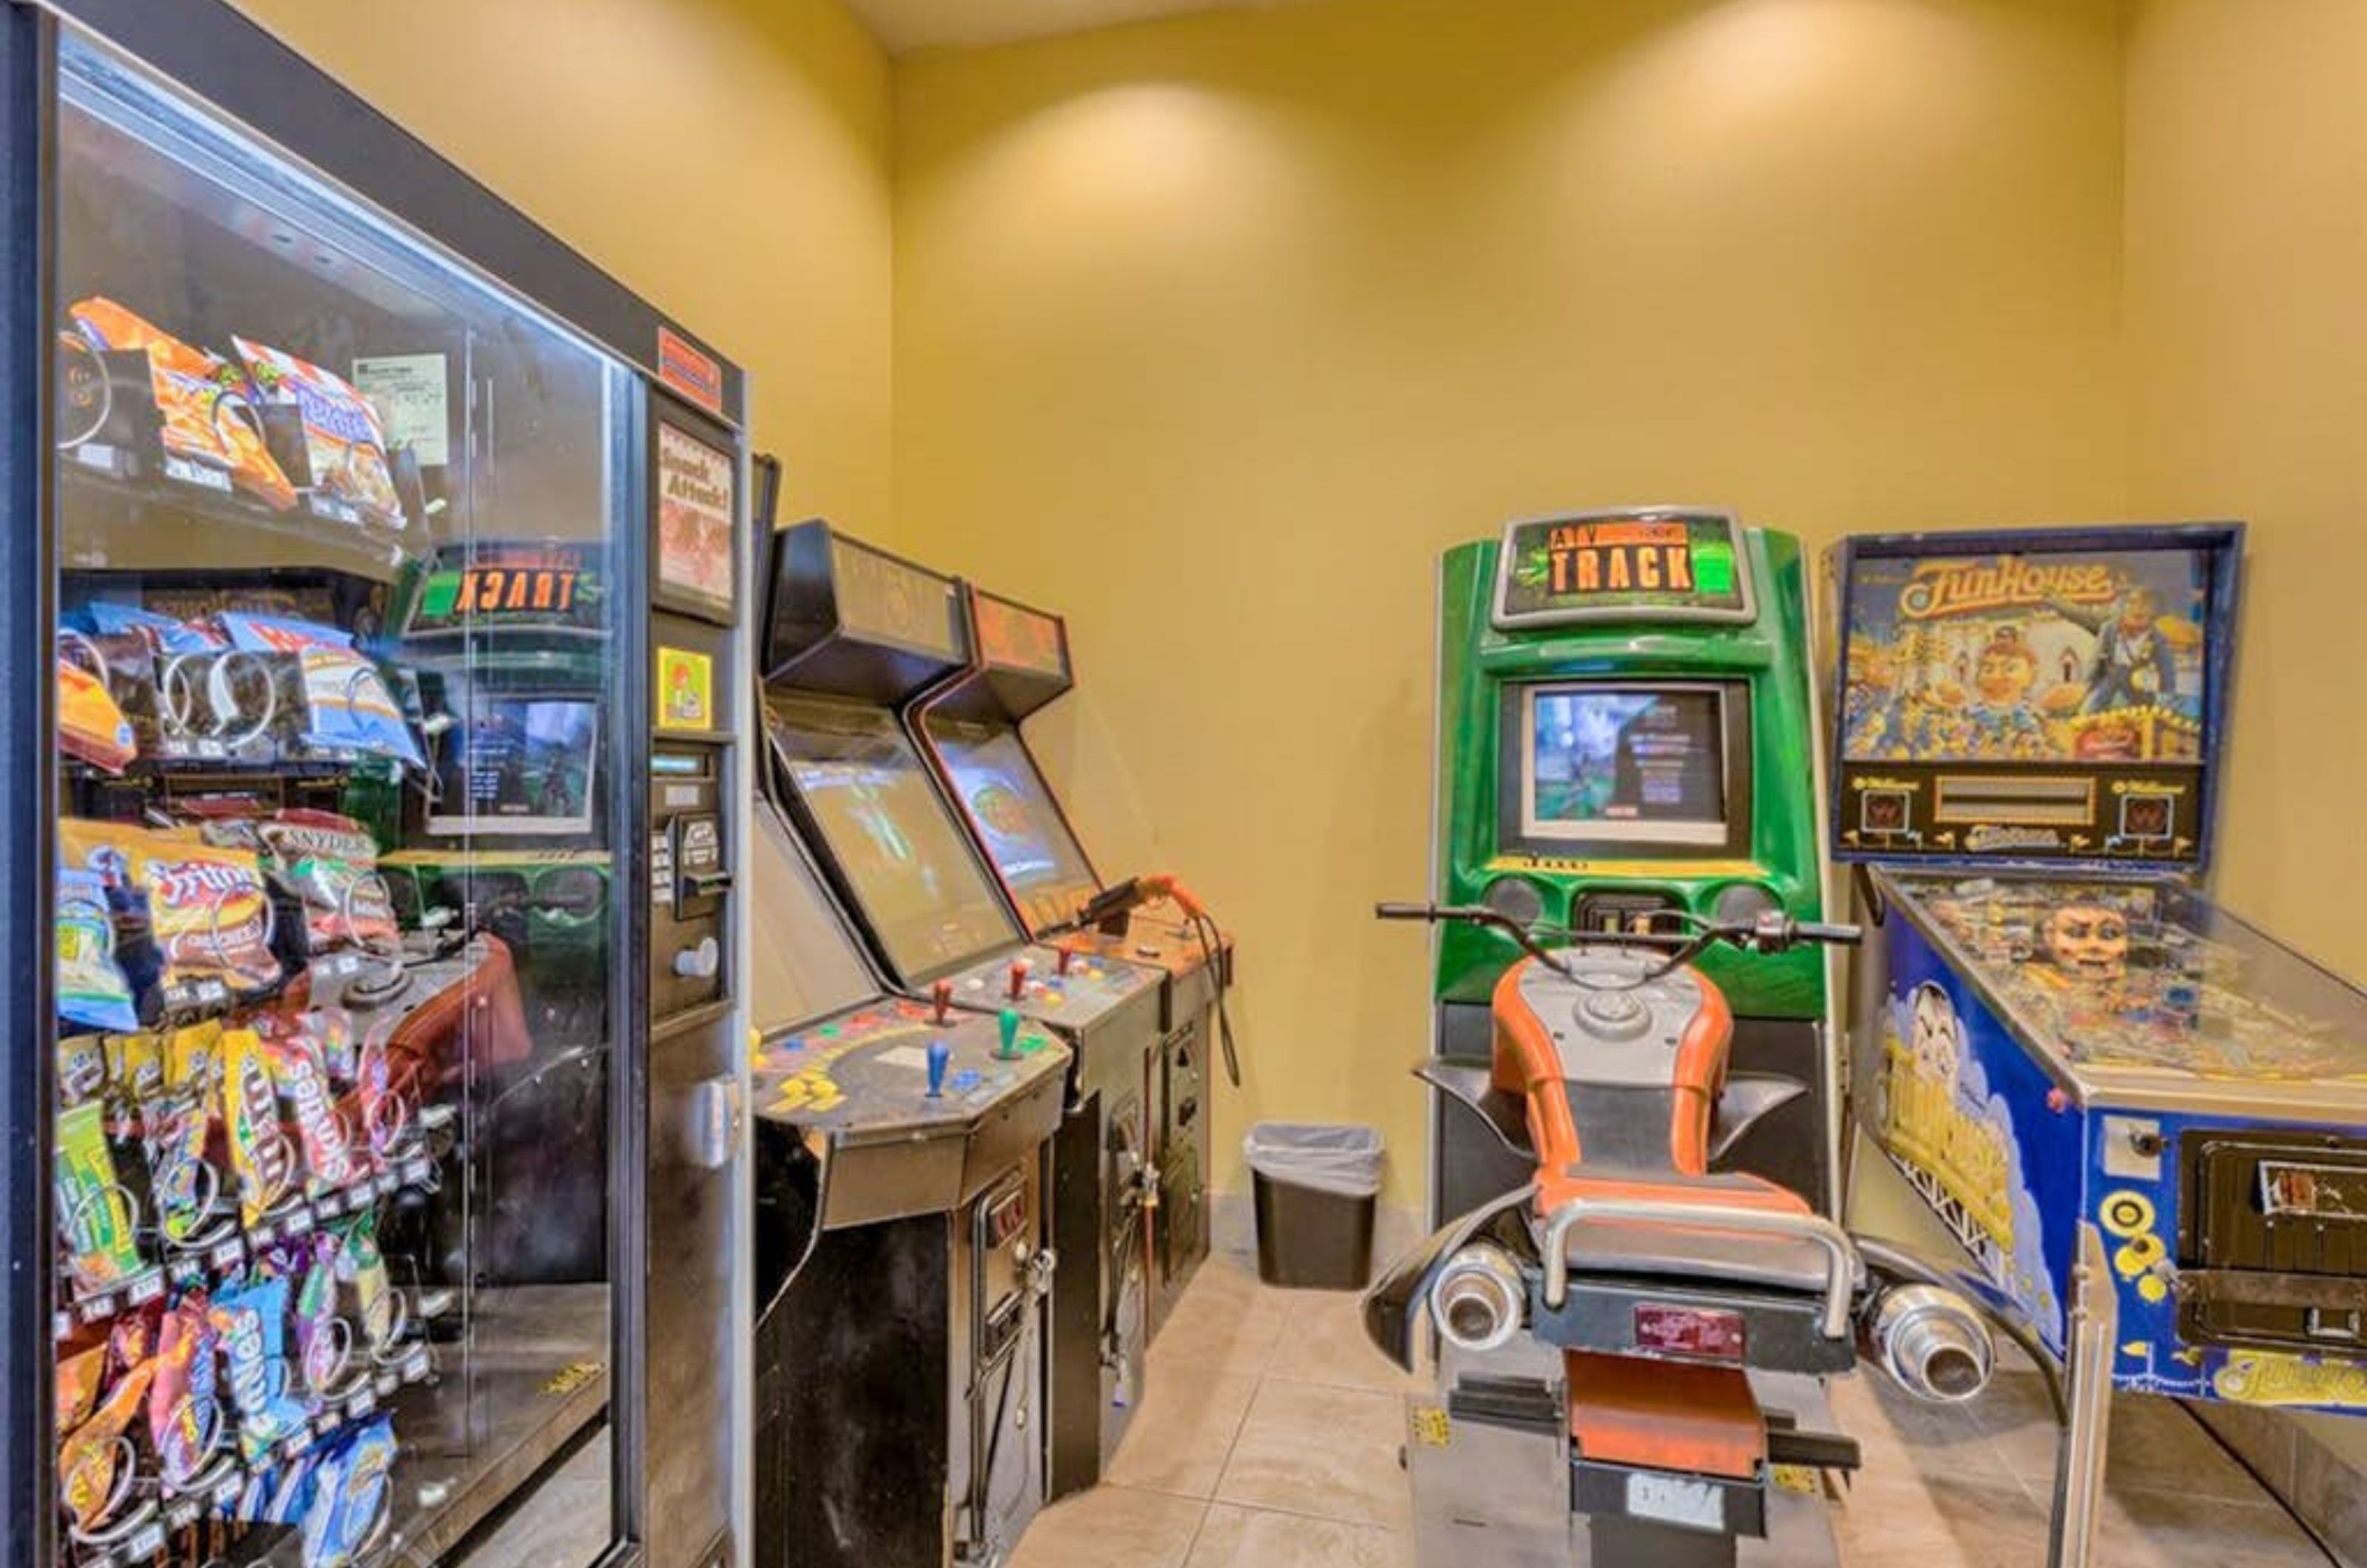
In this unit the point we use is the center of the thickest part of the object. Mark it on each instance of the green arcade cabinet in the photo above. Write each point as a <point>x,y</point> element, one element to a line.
<point>1625,742</point>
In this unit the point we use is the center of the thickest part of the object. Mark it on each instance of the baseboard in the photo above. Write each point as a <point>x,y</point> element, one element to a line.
<point>1233,1227</point>
<point>2325,1490</point>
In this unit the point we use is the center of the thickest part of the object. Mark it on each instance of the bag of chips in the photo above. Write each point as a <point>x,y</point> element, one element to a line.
<point>92,990</point>
<point>78,1377</point>
<point>210,919</point>
<point>91,724</point>
<point>331,863</point>
<point>93,1463</point>
<point>349,706</point>
<point>111,852</point>
<point>344,442</point>
<point>185,1416</point>
<point>201,407</point>
<point>361,1264</point>
<point>351,1493</point>
<point>191,1055</point>
<point>94,1212</point>
<point>163,634</point>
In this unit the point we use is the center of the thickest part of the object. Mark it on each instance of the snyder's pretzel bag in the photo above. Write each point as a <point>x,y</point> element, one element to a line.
<point>200,402</point>
<point>344,441</point>
<point>331,862</point>
<point>209,915</point>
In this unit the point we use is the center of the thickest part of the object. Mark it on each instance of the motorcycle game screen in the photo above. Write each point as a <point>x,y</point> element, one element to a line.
<point>923,892</point>
<point>1020,824</point>
<point>1634,764</point>
<point>519,765</point>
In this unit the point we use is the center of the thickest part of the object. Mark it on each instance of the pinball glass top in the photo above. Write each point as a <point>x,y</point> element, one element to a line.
<point>2127,980</point>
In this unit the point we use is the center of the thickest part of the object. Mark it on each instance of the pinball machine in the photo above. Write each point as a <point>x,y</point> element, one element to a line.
<point>2143,1120</point>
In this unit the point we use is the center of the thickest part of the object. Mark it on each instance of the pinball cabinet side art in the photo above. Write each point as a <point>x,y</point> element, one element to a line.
<point>370,1083</point>
<point>2143,1120</point>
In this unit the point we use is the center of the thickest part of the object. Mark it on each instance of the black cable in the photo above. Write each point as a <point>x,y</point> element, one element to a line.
<point>1212,951</point>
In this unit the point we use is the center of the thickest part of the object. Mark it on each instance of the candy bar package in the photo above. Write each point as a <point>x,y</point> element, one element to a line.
<point>82,1069</point>
<point>191,1056</point>
<point>203,413</point>
<point>260,1154</point>
<point>251,1323</point>
<point>349,706</point>
<point>91,1477</point>
<point>351,1494</point>
<point>345,444</point>
<point>183,1185</point>
<point>92,990</point>
<point>185,1416</point>
<point>294,1056</point>
<point>333,1028</point>
<point>210,919</point>
<point>94,1214</point>
<point>324,1340</point>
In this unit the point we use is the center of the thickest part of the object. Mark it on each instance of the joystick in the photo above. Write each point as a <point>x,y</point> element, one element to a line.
<point>940,1056</point>
<point>1007,1025</point>
<point>942,994</point>
<point>1018,978</point>
<point>1067,957</point>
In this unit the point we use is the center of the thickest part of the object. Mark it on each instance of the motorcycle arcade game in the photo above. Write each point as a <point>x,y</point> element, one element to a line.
<point>351,1197</point>
<point>1635,1327</point>
<point>1019,663</point>
<point>855,636</point>
<point>2139,1116</point>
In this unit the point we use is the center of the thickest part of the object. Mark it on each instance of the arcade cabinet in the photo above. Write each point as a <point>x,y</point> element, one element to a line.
<point>1625,735</point>
<point>901,1263</point>
<point>2138,1115</point>
<point>971,730</point>
<point>855,637</point>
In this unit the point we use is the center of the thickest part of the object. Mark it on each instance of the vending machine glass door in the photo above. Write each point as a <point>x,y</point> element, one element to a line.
<point>341,1087</point>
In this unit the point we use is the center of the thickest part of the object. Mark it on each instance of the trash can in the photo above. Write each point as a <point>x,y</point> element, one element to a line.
<point>1315,1186</point>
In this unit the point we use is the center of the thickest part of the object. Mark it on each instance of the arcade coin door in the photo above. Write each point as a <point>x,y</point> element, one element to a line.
<point>344,1190</point>
<point>2141,1118</point>
<point>1624,737</point>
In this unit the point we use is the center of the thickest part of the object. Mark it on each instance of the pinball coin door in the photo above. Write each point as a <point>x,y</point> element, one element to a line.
<point>338,1063</point>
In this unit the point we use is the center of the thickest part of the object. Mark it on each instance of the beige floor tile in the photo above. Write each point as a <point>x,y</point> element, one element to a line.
<point>2146,1528</point>
<point>1323,1340</point>
<point>1254,1537</point>
<point>2154,1446</point>
<point>1178,1439</point>
<point>1900,1517</point>
<point>1226,1322</point>
<point>1310,1448</point>
<point>1112,1526</point>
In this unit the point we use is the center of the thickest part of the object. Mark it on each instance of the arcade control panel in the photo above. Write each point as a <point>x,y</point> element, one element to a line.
<point>1053,986</point>
<point>1160,935</point>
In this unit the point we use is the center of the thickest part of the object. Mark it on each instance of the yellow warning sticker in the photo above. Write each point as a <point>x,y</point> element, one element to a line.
<point>1429,1425</point>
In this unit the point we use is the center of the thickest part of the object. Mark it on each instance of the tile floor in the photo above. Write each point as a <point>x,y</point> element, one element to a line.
<point>1269,1439</point>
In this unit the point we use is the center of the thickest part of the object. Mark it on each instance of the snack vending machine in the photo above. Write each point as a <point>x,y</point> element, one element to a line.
<point>372,661</point>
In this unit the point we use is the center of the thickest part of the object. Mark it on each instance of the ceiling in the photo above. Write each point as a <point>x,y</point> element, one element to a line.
<point>901,25</point>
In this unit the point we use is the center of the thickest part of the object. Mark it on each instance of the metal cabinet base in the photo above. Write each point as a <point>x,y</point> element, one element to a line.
<point>1100,1308</point>
<point>1181,1226</point>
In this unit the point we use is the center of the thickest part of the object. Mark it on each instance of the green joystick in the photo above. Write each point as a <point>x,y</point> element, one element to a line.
<point>1008,1022</point>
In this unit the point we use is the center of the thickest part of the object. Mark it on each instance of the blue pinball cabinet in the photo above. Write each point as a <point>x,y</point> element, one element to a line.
<point>2143,1120</point>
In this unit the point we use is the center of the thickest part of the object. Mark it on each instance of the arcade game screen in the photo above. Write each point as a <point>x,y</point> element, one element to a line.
<point>519,765</point>
<point>2142,977</point>
<point>1021,824</point>
<point>1609,764</point>
<point>2085,657</point>
<point>923,892</point>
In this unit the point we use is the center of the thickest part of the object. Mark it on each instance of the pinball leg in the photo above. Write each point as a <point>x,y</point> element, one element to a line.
<point>2080,1458</point>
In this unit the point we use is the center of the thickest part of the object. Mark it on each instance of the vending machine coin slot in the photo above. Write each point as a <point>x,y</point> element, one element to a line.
<point>689,877</point>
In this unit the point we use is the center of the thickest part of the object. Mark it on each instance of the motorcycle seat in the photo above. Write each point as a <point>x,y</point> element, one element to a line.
<point>1649,1249</point>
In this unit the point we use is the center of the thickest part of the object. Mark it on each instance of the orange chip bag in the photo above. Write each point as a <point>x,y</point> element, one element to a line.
<point>204,412</point>
<point>210,919</point>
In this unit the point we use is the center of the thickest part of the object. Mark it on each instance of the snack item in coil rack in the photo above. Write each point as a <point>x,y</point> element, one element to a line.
<point>94,1212</point>
<point>79,1374</point>
<point>303,1081</point>
<point>260,1154</point>
<point>163,634</point>
<point>202,409</point>
<point>91,722</point>
<point>331,862</point>
<point>253,1324</point>
<point>183,1188</point>
<point>349,706</point>
<point>209,915</point>
<point>92,990</point>
<point>90,1459</point>
<point>350,1496</point>
<point>344,441</point>
<point>184,1416</point>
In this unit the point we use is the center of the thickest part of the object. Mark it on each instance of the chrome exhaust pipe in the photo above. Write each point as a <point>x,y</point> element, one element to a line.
<point>1930,1341</point>
<point>1479,1300</point>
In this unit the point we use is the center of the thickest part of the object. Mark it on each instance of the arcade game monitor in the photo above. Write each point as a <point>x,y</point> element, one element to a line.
<point>1625,742</point>
<point>2068,1051</point>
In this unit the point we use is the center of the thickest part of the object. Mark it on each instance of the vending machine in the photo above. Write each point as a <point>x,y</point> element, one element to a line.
<point>373,660</point>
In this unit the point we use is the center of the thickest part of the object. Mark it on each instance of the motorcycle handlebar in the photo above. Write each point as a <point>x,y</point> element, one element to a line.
<point>1770,934</point>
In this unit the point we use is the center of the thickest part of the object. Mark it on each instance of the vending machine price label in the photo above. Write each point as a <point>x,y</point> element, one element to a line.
<point>145,1547</point>
<point>299,1443</point>
<point>299,1223</point>
<point>361,1404</point>
<point>229,1255</point>
<point>415,1171</point>
<point>61,1325</point>
<point>198,475</point>
<point>226,1494</point>
<point>97,1308</point>
<point>415,1365</point>
<point>181,1514</point>
<point>142,1291</point>
<point>387,1383</point>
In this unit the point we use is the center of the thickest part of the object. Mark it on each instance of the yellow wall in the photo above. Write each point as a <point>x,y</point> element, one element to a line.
<point>729,161</point>
<point>1213,331</point>
<point>2246,314</point>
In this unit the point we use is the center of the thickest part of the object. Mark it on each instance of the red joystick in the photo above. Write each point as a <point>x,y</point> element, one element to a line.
<point>942,993</point>
<point>1018,979</point>
<point>1067,957</point>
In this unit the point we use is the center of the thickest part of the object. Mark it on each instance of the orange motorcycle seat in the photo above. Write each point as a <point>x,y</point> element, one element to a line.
<point>1651,1249</point>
